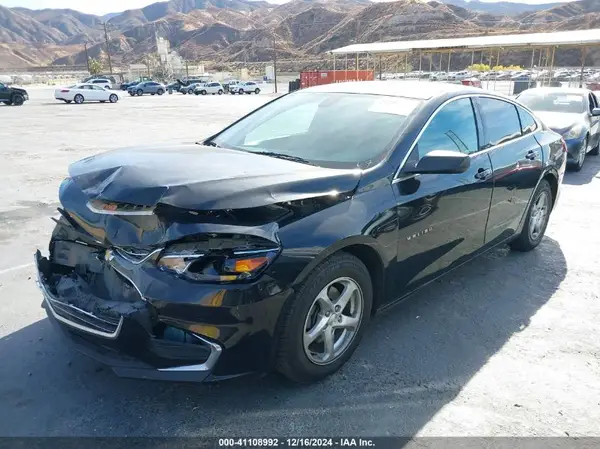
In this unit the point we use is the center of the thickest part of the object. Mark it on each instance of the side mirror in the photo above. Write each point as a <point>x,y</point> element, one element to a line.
<point>441,162</point>
<point>596,112</point>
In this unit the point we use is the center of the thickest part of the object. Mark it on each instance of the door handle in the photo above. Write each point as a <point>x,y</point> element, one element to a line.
<point>532,155</point>
<point>483,173</point>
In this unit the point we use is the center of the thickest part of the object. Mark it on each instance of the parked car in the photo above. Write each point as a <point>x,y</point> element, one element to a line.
<point>572,113</point>
<point>126,86</point>
<point>272,244</point>
<point>80,93</point>
<point>147,87</point>
<point>103,82</point>
<point>190,85</point>
<point>12,96</point>
<point>230,83</point>
<point>248,87</point>
<point>209,88</point>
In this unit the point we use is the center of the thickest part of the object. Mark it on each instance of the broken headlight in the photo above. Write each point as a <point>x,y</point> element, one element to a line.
<point>195,262</point>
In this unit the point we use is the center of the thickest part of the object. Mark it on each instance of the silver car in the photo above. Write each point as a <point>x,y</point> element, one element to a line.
<point>147,87</point>
<point>213,88</point>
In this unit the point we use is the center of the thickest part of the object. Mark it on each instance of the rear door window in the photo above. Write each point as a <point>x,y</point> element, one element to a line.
<point>501,121</point>
<point>528,124</point>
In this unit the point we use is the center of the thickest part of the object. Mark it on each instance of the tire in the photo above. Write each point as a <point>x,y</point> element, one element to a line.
<point>257,91</point>
<point>170,91</point>
<point>160,91</point>
<point>596,150</point>
<point>292,356</point>
<point>113,98</point>
<point>140,92</point>
<point>203,92</point>
<point>220,92</point>
<point>132,93</point>
<point>248,93</point>
<point>18,100</point>
<point>79,99</point>
<point>152,94</point>
<point>190,91</point>
<point>528,240</point>
<point>197,92</point>
<point>581,157</point>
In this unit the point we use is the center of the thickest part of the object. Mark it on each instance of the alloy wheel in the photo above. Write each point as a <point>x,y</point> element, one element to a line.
<point>539,215</point>
<point>333,320</point>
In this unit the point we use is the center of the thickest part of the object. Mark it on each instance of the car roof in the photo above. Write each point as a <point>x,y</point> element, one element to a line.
<point>564,90</point>
<point>422,90</point>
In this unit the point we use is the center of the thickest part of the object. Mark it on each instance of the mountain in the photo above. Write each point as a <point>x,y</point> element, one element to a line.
<point>501,8</point>
<point>227,31</point>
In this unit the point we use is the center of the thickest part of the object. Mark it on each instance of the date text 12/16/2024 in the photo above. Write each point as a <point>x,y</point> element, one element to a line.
<point>296,442</point>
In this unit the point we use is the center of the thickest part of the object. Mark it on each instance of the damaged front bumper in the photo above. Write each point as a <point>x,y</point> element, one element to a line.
<point>122,341</point>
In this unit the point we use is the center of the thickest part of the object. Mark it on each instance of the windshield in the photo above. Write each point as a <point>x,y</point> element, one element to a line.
<point>554,102</point>
<point>326,129</point>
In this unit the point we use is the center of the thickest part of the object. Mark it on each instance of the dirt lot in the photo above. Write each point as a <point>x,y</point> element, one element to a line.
<point>508,345</point>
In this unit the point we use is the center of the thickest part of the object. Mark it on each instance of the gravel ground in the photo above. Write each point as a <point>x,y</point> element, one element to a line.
<point>508,345</point>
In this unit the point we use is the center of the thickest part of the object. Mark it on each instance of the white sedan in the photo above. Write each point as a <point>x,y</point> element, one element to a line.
<point>85,92</point>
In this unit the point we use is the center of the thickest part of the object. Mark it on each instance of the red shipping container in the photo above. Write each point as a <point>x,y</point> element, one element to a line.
<point>316,78</point>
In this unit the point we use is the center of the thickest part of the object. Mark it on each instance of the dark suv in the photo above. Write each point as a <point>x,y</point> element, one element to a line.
<point>12,95</point>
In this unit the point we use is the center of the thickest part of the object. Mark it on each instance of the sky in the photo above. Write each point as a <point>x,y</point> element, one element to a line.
<point>101,7</point>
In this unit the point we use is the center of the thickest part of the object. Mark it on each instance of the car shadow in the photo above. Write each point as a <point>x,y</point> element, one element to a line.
<point>415,358</point>
<point>589,171</point>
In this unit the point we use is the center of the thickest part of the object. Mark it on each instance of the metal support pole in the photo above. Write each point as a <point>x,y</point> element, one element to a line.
<point>449,59</point>
<point>533,58</point>
<point>87,56</point>
<point>380,67</point>
<point>481,60</point>
<point>552,63</point>
<point>334,67</point>
<point>420,64</point>
<point>473,57</point>
<point>356,65</point>
<point>346,78</point>
<point>498,64</point>
<point>430,62</point>
<point>274,63</point>
<point>583,56</point>
<point>405,64</point>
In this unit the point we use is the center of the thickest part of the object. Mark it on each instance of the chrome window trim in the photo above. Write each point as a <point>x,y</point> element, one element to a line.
<point>398,178</point>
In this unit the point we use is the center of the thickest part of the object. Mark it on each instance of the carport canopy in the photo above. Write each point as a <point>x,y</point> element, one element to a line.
<point>579,38</point>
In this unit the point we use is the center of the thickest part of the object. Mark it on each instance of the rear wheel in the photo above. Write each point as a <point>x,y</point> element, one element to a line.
<point>322,325</point>
<point>18,100</point>
<point>220,92</point>
<point>203,92</point>
<point>79,99</point>
<point>537,219</point>
<point>113,98</point>
<point>257,91</point>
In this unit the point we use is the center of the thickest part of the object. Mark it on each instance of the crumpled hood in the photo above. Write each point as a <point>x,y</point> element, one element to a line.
<point>203,178</point>
<point>559,121</point>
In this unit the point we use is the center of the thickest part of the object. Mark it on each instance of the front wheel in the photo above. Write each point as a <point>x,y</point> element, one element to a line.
<point>203,92</point>
<point>18,100</point>
<point>132,93</point>
<point>537,219</point>
<point>322,325</point>
<point>140,92</point>
<point>160,91</point>
<point>113,98</point>
<point>190,91</point>
<point>581,156</point>
<point>220,92</point>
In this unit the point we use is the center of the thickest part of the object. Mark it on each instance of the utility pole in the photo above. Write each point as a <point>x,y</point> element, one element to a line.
<point>107,49</point>
<point>87,56</point>
<point>274,63</point>
<point>187,69</point>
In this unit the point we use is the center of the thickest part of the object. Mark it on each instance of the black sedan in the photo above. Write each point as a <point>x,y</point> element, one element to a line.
<point>272,244</point>
<point>573,113</point>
